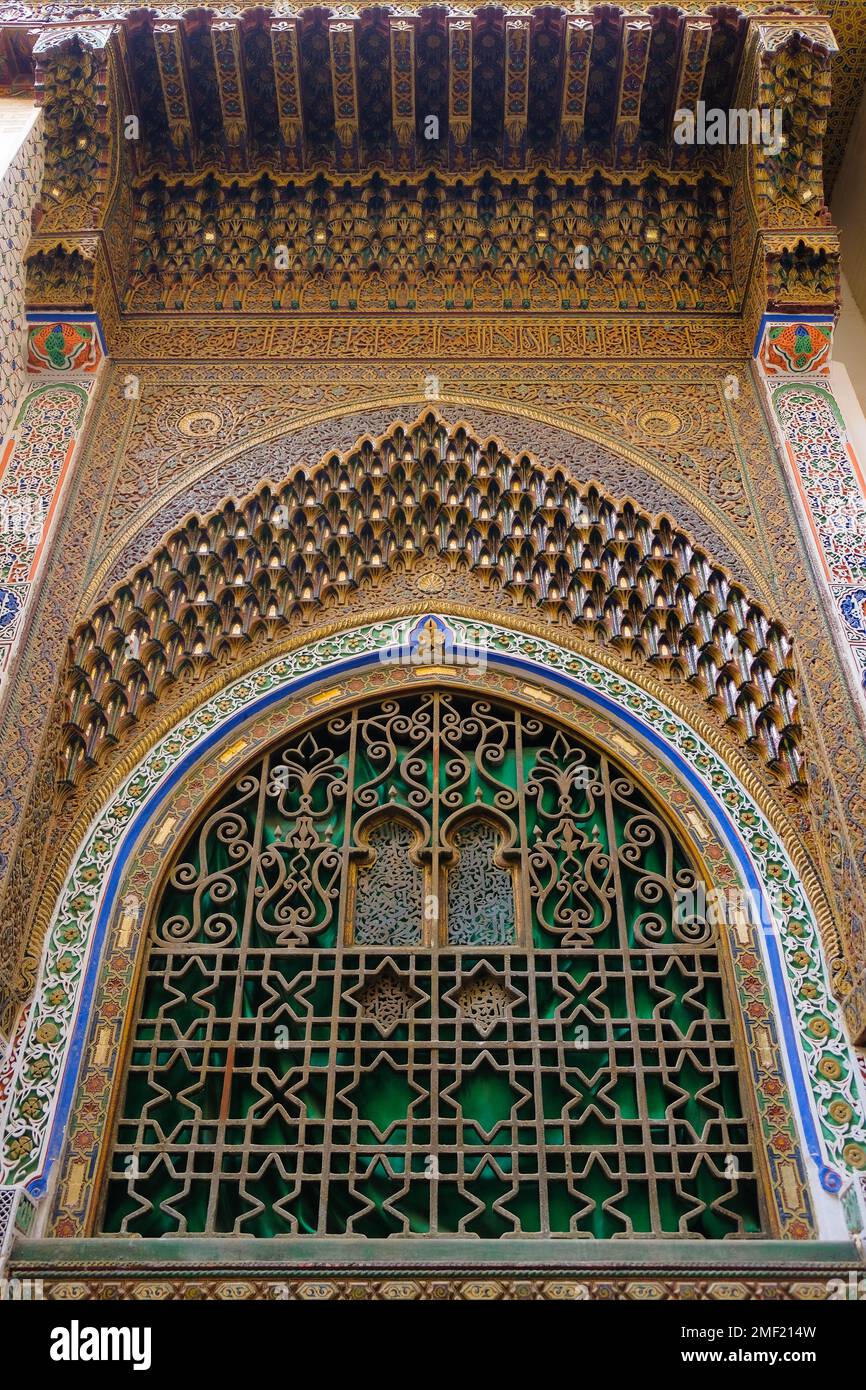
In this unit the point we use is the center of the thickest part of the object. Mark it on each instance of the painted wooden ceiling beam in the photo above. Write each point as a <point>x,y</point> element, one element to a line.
<point>168,41</point>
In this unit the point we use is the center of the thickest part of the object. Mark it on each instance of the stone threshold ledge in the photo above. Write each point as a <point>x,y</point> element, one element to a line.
<point>174,1256</point>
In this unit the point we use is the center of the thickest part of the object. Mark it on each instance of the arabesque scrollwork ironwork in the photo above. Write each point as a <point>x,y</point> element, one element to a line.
<point>421,971</point>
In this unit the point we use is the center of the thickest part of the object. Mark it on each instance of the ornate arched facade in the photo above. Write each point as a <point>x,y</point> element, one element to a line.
<point>434,798</point>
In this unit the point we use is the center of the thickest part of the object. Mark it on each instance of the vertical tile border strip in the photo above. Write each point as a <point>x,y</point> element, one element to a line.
<point>20,187</point>
<point>823,1070</point>
<point>828,478</point>
<point>34,465</point>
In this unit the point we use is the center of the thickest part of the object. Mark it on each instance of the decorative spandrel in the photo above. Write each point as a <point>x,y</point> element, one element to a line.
<point>421,971</point>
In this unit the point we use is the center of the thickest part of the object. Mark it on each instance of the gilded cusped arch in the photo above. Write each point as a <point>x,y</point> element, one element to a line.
<point>525,537</point>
